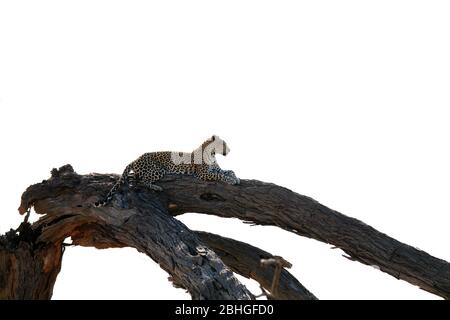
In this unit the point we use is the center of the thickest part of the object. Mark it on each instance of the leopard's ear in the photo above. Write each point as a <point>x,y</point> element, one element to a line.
<point>213,138</point>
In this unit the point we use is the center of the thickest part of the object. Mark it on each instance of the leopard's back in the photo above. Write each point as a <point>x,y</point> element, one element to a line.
<point>164,162</point>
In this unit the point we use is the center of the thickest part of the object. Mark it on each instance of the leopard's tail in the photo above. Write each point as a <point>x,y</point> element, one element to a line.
<point>127,175</point>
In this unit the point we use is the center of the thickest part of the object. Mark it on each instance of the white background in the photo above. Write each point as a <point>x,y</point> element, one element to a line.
<point>344,101</point>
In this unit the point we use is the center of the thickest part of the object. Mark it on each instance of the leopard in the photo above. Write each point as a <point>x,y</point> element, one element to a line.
<point>153,166</point>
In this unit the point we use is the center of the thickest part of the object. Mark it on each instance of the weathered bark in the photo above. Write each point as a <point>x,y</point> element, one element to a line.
<point>27,270</point>
<point>67,197</point>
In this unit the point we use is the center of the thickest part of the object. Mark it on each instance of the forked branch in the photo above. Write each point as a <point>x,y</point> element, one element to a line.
<point>141,219</point>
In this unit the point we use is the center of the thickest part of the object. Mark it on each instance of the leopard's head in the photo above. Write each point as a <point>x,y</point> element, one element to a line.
<point>219,146</point>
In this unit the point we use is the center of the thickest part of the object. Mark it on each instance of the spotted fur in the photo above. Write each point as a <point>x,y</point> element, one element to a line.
<point>151,167</point>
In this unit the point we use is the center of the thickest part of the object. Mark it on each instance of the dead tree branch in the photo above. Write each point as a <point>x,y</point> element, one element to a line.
<point>141,222</point>
<point>247,260</point>
<point>140,219</point>
<point>269,204</point>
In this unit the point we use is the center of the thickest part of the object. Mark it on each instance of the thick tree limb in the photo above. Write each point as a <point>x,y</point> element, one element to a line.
<point>269,204</point>
<point>63,198</point>
<point>141,222</point>
<point>245,259</point>
<point>260,203</point>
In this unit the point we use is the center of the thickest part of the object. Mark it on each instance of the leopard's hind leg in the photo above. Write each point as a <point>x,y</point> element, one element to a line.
<point>151,175</point>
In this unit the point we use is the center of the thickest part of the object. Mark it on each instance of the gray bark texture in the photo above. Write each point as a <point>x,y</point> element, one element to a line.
<point>202,263</point>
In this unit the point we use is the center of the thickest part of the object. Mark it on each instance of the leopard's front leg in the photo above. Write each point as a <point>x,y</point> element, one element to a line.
<point>217,174</point>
